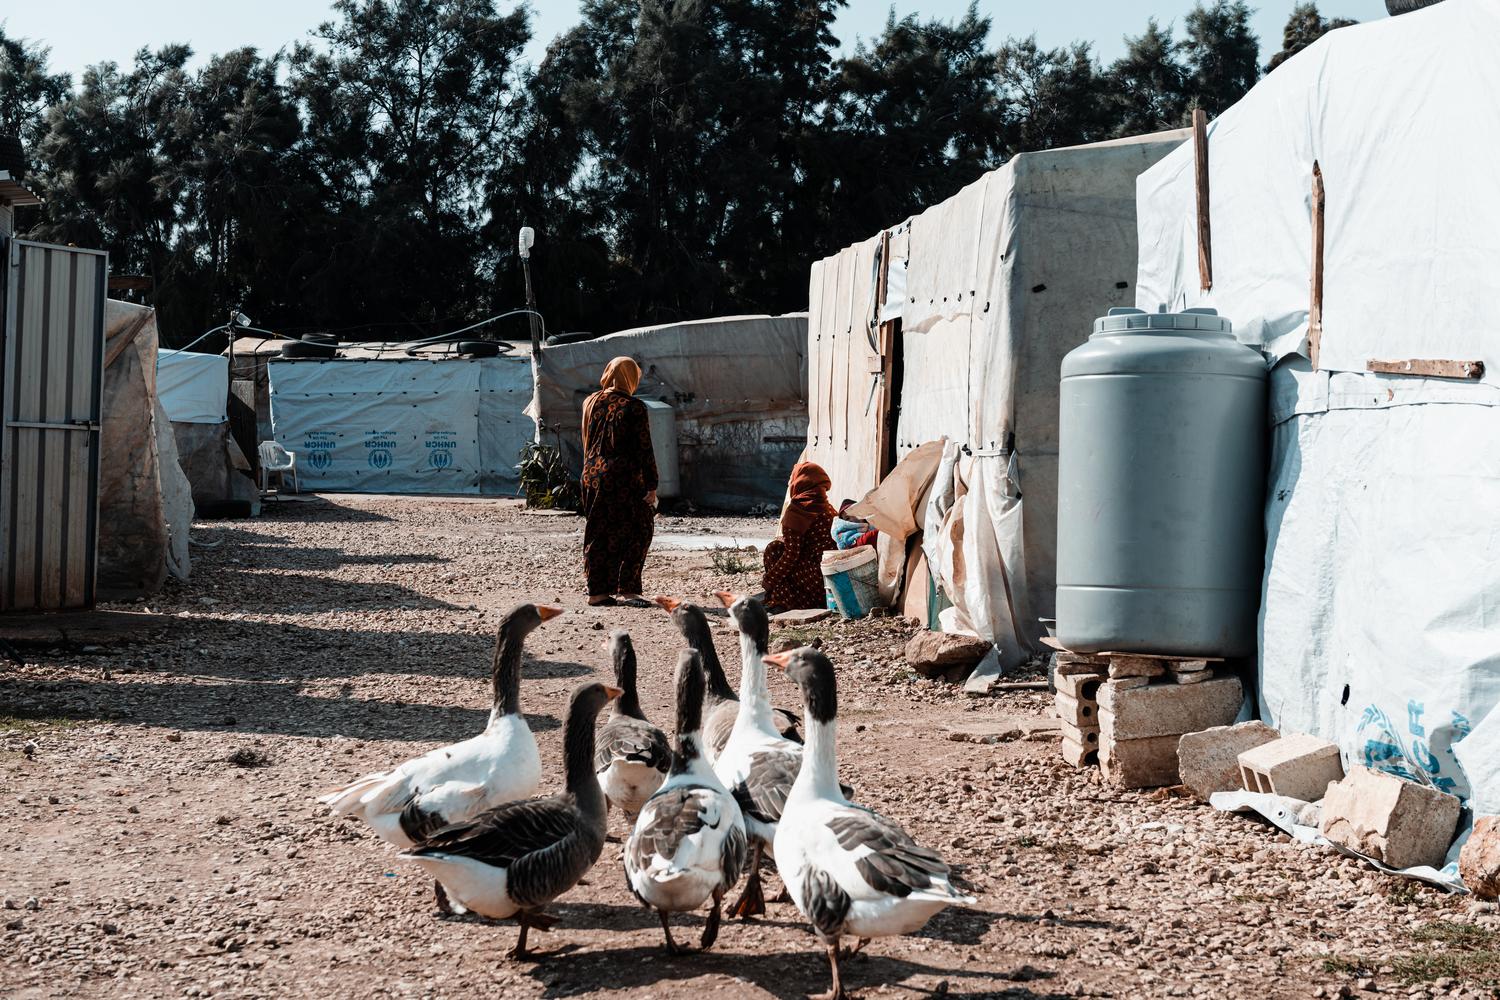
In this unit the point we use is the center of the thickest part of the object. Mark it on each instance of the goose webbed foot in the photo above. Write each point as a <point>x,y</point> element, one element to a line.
<point>673,948</point>
<point>855,949</point>
<point>837,992</point>
<point>541,922</point>
<point>752,901</point>
<point>711,925</point>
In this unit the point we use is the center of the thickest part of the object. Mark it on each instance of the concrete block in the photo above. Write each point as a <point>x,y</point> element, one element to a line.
<point>1080,714</point>
<point>1208,761</point>
<point>1136,666</point>
<point>1397,822</point>
<point>1167,709</point>
<point>1084,687</point>
<point>1088,737</point>
<point>1142,763</point>
<point>1079,755</point>
<point>1124,684</point>
<point>1297,766</point>
<point>1479,862</point>
<point>1193,676</point>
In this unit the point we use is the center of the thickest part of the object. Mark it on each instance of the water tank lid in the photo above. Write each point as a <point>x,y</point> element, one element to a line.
<point>1124,320</point>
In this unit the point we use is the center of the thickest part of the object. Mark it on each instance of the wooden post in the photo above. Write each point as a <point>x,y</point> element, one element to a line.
<point>883,343</point>
<point>1205,237</point>
<point>1315,306</point>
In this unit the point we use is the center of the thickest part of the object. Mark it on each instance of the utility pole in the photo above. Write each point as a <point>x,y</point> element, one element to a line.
<point>526,241</point>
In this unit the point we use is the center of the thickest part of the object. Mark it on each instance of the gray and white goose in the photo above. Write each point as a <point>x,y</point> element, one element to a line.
<point>758,765</point>
<point>688,845</point>
<point>457,782</point>
<point>632,756</point>
<point>851,871</point>
<point>515,859</point>
<point>721,705</point>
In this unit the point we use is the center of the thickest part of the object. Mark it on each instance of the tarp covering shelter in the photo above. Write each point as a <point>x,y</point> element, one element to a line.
<point>390,423</point>
<point>145,503</point>
<point>991,288</point>
<point>193,388</point>
<point>1380,620</point>
<point>737,385</point>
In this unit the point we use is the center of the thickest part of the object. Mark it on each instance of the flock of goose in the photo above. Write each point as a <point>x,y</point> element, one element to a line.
<point>737,784</point>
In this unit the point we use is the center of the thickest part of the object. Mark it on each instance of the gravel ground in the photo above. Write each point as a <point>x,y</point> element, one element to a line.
<point>161,836</point>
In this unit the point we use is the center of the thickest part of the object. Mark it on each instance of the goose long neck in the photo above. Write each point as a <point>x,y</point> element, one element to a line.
<point>819,776</point>
<point>578,759</point>
<point>688,757</point>
<point>718,684</point>
<point>755,695</point>
<point>507,672</point>
<point>629,703</point>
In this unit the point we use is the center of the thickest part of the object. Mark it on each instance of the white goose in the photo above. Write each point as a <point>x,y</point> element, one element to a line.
<point>850,870</point>
<point>632,755</point>
<point>455,783</point>
<point>758,765</point>
<point>689,842</point>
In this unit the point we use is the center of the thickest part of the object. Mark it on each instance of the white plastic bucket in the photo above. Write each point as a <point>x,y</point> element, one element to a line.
<point>851,580</point>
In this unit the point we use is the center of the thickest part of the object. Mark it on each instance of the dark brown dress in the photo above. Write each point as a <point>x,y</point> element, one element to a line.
<point>794,567</point>
<point>619,469</point>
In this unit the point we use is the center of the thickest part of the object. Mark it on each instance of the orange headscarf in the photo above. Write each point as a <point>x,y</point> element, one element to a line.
<point>809,499</point>
<point>621,375</point>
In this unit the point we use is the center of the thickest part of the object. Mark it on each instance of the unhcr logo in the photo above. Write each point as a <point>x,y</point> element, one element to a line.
<point>320,460</point>
<point>380,458</point>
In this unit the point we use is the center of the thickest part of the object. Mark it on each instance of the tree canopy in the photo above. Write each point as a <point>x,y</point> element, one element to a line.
<point>677,158</point>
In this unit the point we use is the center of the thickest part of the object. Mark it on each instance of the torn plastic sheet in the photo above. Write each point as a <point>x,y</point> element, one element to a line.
<point>1286,814</point>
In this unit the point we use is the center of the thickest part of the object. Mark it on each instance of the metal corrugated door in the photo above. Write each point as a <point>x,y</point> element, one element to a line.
<point>51,398</point>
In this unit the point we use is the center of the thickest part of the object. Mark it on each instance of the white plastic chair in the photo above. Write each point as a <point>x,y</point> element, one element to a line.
<point>275,458</point>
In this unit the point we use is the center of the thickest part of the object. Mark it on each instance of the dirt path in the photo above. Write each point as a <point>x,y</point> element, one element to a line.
<point>159,834</point>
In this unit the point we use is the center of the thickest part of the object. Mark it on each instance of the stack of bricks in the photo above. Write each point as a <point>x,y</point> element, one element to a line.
<point>1077,679</point>
<point>1145,707</point>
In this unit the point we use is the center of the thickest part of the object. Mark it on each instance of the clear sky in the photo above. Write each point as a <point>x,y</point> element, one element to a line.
<point>83,32</point>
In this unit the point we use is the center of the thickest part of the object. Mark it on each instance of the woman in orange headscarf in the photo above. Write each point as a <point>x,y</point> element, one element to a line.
<point>618,487</point>
<point>794,570</point>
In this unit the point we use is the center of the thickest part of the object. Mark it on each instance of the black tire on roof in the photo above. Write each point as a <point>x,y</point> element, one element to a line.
<point>1394,7</point>
<point>320,338</point>
<point>479,348</point>
<point>306,349</point>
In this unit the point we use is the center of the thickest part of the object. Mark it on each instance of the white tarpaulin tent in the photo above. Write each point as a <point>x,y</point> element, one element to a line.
<point>736,385</point>
<point>1380,622</point>
<point>403,425</point>
<point>992,288</point>
<point>193,388</point>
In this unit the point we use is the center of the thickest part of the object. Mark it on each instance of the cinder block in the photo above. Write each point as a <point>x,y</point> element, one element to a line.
<point>1208,761</point>
<point>1398,822</point>
<point>1167,709</point>
<point>1080,714</point>
<point>1078,754</point>
<point>1088,737</point>
<point>1297,766</point>
<point>1142,763</point>
<point>1136,666</point>
<point>1084,687</point>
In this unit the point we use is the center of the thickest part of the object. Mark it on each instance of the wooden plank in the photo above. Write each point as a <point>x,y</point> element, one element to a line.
<point>130,283</point>
<point>881,364</point>
<point>1430,367</point>
<point>1200,166</point>
<point>1315,305</point>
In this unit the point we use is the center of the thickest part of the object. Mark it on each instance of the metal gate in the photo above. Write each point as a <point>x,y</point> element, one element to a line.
<point>51,401</point>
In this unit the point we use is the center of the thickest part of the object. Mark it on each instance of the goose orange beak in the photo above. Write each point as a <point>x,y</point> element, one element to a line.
<point>777,660</point>
<point>669,603</point>
<point>612,693</point>
<point>548,612</point>
<point>725,597</point>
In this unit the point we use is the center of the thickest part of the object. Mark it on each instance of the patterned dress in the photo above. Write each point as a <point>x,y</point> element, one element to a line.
<point>794,567</point>
<point>619,469</point>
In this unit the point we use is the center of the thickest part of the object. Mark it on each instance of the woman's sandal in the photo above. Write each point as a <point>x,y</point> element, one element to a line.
<point>603,602</point>
<point>633,602</point>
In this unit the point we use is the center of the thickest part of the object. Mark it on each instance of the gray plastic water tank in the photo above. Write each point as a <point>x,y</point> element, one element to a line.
<point>1161,487</point>
<point>663,422</point>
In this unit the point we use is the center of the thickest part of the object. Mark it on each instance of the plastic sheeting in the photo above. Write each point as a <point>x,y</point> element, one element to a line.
<point>193,388</point>
<point>1380,621</point>
<point>145,508</point>
<point>999,282</point>
<point>406,425</point>
<point>738,386</point>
